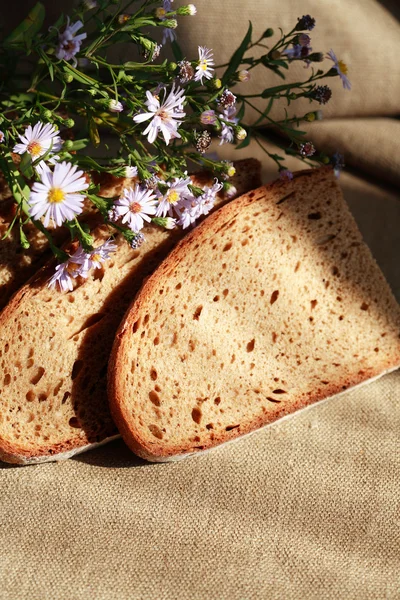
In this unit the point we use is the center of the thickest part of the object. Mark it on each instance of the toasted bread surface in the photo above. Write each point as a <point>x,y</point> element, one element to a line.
<point>270,305</point>
<point>55,347</point>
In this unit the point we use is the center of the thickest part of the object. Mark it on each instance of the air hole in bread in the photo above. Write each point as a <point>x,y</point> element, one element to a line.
<point>6,347</point>
<point>245,242</point>
<point>314,303</point>
<point>65,397</point>
<point>135,326</point>
<point>364,306</point>
<point>209,426</point>
<point>178,286</point>
<point>376,349</point>
<point>325,239</point>
<point>230,427</point>
<point>227,247</point>
<point>274,296</point>
<point>7,379</point>
<point>42,397</point>
<point>156,341</point>
<point>146,319</point>
<point>216,298</point>
<point>99,273</point>
<point>192,345</point>
<point>250,345</point>
<point>30,395</point>
<point>153,374</point>
<point>74,422</point>
<point>37,376</point>
<point>154,398</point>
<point>196,415</point>
<point>156,431</point>
<point>315,216</point>
<point>273,399</point>
<point>78,364</point>
<point>335,271</point>
<point>71,298</point>
<point>279,391</point>
<point>217,400</point>
<point>197,313</point>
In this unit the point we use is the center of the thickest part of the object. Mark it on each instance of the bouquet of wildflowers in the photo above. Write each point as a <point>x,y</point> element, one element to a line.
<point>64,100</point>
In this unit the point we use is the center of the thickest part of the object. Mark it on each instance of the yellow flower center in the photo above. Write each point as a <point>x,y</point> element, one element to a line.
<point>72,267</point>
<point>55,196</point>
<point>160,13</point>
<point>343,67</point>
<point>96,257</point>
<point>203,65</point>
<point>35,149</point>
<point>135,207</point>
<point>231,171</point>
<point>173,197</point>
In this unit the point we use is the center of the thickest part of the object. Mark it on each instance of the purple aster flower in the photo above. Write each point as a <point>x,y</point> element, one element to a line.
<point>341,69</point>
<point>208,117</point>
<point>286,175</point>
<point>337,161</point>
<point>69,43</point>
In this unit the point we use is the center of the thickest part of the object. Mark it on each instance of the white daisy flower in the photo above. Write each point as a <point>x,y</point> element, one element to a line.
<point>341,69</point>
<point>115,106</point>
<point>1,137</point>
<point>37,140</point>
<point>135,206</point>
<point>57,196</point>
<point>100,254</point>
<point>178,190</point>
<point>165,117</point>
<point>205,66</point>
<point>69,43</point>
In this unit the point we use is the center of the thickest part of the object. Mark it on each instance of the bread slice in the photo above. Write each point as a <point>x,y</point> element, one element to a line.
<point>270,305</point>
<point>55,347</point>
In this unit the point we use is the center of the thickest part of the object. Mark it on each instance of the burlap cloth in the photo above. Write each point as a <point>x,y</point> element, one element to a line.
<point>307,508</point>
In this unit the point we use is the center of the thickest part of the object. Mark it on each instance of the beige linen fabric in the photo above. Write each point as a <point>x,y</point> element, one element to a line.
<point>308,508</point>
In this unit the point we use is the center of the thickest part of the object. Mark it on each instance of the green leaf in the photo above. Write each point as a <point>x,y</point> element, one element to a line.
<point>245,142</point>
<point>94,133</point>
<point>23,239</point>
<point>265,112</point>
<point>275,90</point>
<point>26,165</point>
<point>240,114</point>
<point>177,51</point>
<point>237,56</point>
<point>28,29</point>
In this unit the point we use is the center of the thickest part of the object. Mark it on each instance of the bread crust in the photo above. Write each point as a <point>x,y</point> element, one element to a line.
<point>151,449</point>
<point>14,451</point>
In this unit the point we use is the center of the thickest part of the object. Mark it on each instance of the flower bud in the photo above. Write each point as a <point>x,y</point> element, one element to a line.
<point>229,190</point>
<point>241,133</point>
<point>170,23</point>
<point>244,75</point>
<point>305,23</point>
<point>208,117</point>
<point>316,57</point>
<point>1,137</point>
<point>217,84</point>
<point>172,66</point>
<point>69,123</point>
<point>268,33</point>
<point>170,223</point>
<point>92,91</point>
<point>67,77</point>
<point>68,144</point>
<point>47,114</point>
<point>190,9</point>
<point>115,106</point>
<point>275,55</point>
<point>229,169</point>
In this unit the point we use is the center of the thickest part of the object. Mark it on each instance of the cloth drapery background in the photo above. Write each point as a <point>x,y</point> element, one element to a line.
<point>306,508</point>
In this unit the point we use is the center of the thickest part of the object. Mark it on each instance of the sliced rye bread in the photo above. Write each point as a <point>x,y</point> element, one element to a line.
<point>18,265</point>
<point>55,347</point>
<point>272,304</point>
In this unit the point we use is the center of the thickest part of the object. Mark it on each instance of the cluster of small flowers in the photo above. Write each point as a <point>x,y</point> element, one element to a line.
<point>79,264</point>
<point>140,204</point>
